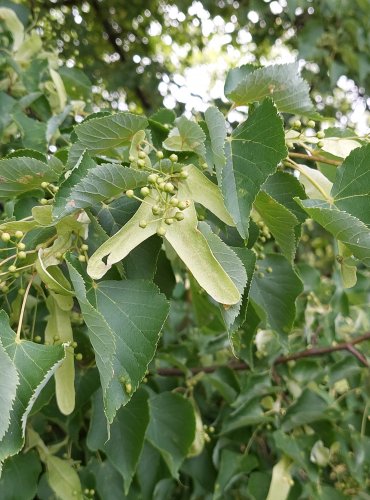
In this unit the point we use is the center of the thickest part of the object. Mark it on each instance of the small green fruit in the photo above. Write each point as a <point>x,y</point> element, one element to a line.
<point>161,186</point>
<point>142,155</point>
<point>22,255</point>
<point>320,144</point>
<point>169,221</point>
<point>169,187</point>
<point>21,291</point>
<point>141,163</point>
<point>174,202</point>
<point>320,134</point>
<point>131,159</point>
<point>18,234</point>
<point>21,246</point>
<point>156,210</point>
<point>174,158</point>
<point>152,178</point>
<point>130,193</point>
<point>144,191</point>
<point>159,155</point>
<point>44,185</point>
<point>297,124</point>
<point>82,258</point>
<point>161,231</point>
<point>79,357</point>
<point>84,247</point>
<point>184,174</point>
<point>12,268</point>
<point>143,224</point>
<point>44,201</point>
<point>5,237</point>
<point>311,124</point>
<point>183,204</point>
<point>179,216</point>
<point>37,339</point>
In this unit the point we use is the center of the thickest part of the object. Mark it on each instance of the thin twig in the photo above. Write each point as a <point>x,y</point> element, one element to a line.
<point>307,353</point>
<point>18,334</point>
<point>321,159</point>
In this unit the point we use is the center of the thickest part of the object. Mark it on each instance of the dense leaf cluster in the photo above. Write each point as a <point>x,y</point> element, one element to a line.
<point>169,287</point>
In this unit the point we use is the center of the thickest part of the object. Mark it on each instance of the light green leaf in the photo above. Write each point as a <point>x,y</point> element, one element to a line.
<point>231,264</point>
<point>171,428</point>
<point>319,179</point>
<point>9,382</point>
<point>193,249</point>
<point>339,146</point>
<point>23,174</point>
<point>280,221</point>
<point>14,25</point>
<point>187,241</point>
<point>351,189</point>
<point>59,85</point>
<point>281,481</point>
<point>352,232</point>
<point>186,136</point>
<point>35,365</point>
<point>59,325</point>
<point>256,147</point>
<point>275,292</point>
<point>204,191</point>
<point>126,239</point>
<point>52,276</point>
<point>108,132</point>
<point>90,184</point>
<point>31,45</point>
<point>63,478</point>
<point>217,132</point>
<point>282,82</point>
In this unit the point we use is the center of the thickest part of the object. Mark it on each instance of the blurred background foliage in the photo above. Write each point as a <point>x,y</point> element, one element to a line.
<point>145,53</point>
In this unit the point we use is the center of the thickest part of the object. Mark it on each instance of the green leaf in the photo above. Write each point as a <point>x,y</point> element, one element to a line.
<point>171,428</point>
<point>351,189</point>
<point>108,132</point>
<point>284,187</point>
<point>100,333</point>
<point>20,477</point>
<point>23,174</point>
<point>9,382</point>
<point>280,221</point>
<point>90,184</point>
<point>217,132</point>
<point>282,82</point>
<point>186,136</point>
<point>13,24</point>
<point>352,232</point>
<point>125,320</point>
<point>123,449</point>
<point>63,478</point>
<point>276,291</point>
<point>256,148</point>
<point>35,365</point>
<point>59,325</point>
<point>76,83</point>
<point>135,312</point>
<point>33,132</point>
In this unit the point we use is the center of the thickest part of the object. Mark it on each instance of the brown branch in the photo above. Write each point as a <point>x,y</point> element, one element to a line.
<point>112,36</point>
<point>307,353</point>
<point>315,158</point>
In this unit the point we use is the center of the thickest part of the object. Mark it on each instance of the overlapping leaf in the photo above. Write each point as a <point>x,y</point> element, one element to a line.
<point>281,82</point>
<point>274,289</point>
<point>186,136</point>
<point>217,132</point>
<point>90,184</point>
<point>35,364</point>
<point>22,174</point>
<point>125,319</point>
<point>108,132</point>
<point>256,147</point>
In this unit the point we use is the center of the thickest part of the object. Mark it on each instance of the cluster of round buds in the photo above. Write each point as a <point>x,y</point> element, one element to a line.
<point>162,188</point>
<point>264,234</point>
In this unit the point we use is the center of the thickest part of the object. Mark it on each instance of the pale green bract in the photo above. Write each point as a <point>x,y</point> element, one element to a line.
<point>184,237</point>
